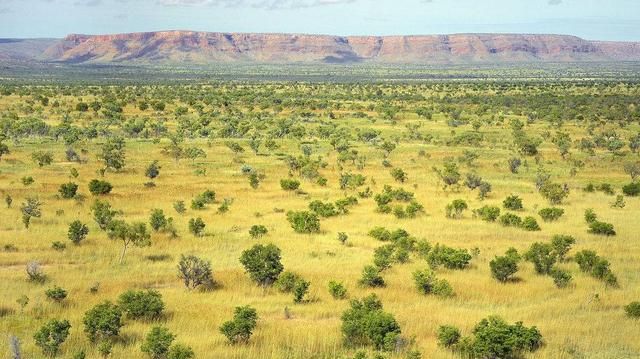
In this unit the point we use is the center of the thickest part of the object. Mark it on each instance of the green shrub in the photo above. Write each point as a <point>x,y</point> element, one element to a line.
<point>631,189</point>
<point>542,256</point>
<point>455,208</point>
<point>304,222</point>
<point>337,290</point>
<point>196,226</point>
<point>554,192</point>
<point>286,281</point>
<point>488,213</point>
<point>366,323</point>
<point>530,224</point>
<point>289,184</point>
<point>323,209</point>
<point>180,351</point>
<point>598,267</point>
<point>77,232</point>
<point>551,214</point>
<point>141,304</point>
<point>300,289</point>
<point>448,336</point>
<point>513,203</point>
<point>195,272</point>
<point>99,187</point>
<point>448,257</point>
<point>103,321</point>
<point>56,294</point>
<point>51,336</point>
<point>262,262</point>
<point>601,228</point>
<point>68,190</point>
<point>157,342</point>
<point>561,245</point>
<point>257,231</point>
<point>633,310</point>
<point>561,278</point>
<point>590,216</point>
<point>371,277</point>
<point>503,268</point>
<point>510,220</point>
<point>427,283</point>
<point>240,328</point>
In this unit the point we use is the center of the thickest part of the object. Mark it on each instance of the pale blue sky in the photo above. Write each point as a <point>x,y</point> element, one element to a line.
<point>590,19</point>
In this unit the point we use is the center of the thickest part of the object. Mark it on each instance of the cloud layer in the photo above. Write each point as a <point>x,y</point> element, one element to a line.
<point>264,4</point>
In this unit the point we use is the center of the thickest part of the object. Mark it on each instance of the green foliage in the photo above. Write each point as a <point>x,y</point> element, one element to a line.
<point>103,214</point>
<point>157,342</point>
<point>42,158</point>
<point>631,189</point>
<point>30,209</point>
<point>153,170</point>
<point>300,289</point>
<point>427,283</point>
<point>371,277</point>
<point>488,213</point>
<point>289,184</point>
<point>141,304</point>
<point>551,214</point>
<point>240,328</point>
<point>601,228</point>
<point>633,310</point>
<point>454,209</point>
<point>450,258</point>
<point>304,222</point>
<point>157,219</point>
<point>286,281</point>
<point>51,336</point>
<point>258,231</point>
<point>448,336</point>
<point>503,268</point>
<point>99,187</point>
<point>102,322</point>
<point>561,278</point>
<point>262,263</point>
<point>399,175</point>
<point>513,203</point>
<point>195,272</point>
<point>366,323</point>
<point>510,220</point>
<point>561,245</point>
<point>129,234</point>
<point>530,224</point>
<point>180,351</point>
<point>56,294</point>
<point>449,175</point>
<point>598,267</point>
<point>554,192</point>
<point>196,226</point>
<point>112,153</point>
<point>68,190</point>
<point>542,256</point>
<point>337,290</point>
<point>322,209</point>
<point>77,232</point>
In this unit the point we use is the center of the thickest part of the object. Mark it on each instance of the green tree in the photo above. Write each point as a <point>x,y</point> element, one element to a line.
<point>130,234</point>
<point>112,153</point>
<point>42,158</point>
<point>51,336</point>
<point>77,232</point>
<point>30,209</point>
<point>262,263</point>
<point>141,304</point>
<point>240,328</point>
<point>157,342</point>
<point>103,321</point>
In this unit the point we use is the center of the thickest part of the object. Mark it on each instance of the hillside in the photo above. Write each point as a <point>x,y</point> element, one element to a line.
<point>179,47</point>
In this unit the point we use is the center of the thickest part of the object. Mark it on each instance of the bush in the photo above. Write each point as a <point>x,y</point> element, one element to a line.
<point>448,257</point>
<point>427,283</point>
<point>488,213</point>
<point>513,203</point>
<point>561,278</point>
<point>598,267</point>
<point>68,190</point>
<point>240,329</point>
<point>590,216</point>
<point>286,281</point>
<point>542,256</point>
<point>141,304</point>
<point>35,272</point>
<point>157,342</point>
<point>494,338</point>
<point>382,256</point>
<point>103,321</point>
<point>448,336</point>
<point>196,226</point>
<point>195,272</point>
<point>56,294</point>
<point>631,189</point>
<point>262,262</point>
<point>503,268</point>
<point>288,184</point>
<point>337,290</point>
<point>99,187</point>
<point>304,222</point>
<point>366,323</point>
<point>633,310</point>
<point>554,192</point>
<point>77,232</point>
<point>455,208</point>
<point>601,228</point>
<point>300,289</point>
<point>551,214</point>
<point>323,209</point>
<point>257,231</point>
<point>510,220</point>
<point>530,224</point>
<point>180,351</point>
<point>561,245</point>
<point>157,219</point>
<point>371,277</point>
<point>51,336</point>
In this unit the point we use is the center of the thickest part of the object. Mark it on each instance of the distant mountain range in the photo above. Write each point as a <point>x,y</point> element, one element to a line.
<point>201,48</point>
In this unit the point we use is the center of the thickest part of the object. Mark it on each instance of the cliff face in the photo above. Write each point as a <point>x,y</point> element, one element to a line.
<point>183,47</point>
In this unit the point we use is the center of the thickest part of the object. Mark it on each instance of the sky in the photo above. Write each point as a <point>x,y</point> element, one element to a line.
<point>589,19</point>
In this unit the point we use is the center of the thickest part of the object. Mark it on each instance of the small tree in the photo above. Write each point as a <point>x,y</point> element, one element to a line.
<point>542,256</point>
<point>427,283</point>
<point>68,190</point>
<point>141,304</point>
<point>99,187</point>
<point>503,268</point>
<point>371,277</point>
<point>448,336</point>
<point>30,209</point>
<point>35,272</point>
<point>77,232</point>
<point>366,323</point>
<point>157,342</point>
<point>153,170</point>
<point>157,219</point>
<point>103,321</point>
<point>304,222</point>
<point>337,290</point>
<point>289,184</point>
<point>240,328</point>
<point>180,351</point>
<point>513,203</point>
<point>130,234</point>
<point>454,209</point>
<point>514,164</point>
<point>257,231</point>
<point>633,310</point>
<point>196,226</point>
<point>195,272</point>
<point>262,263</point>
<point>399,175</point>
<point>103,214</point>
<point>554,192</point>
<point>113,153</point>
<point>42,158</point>
<point>56,294</point>
<point>51,336</point>
<point>300,289</point>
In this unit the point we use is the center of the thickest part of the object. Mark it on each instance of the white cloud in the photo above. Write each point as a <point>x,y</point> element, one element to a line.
<point>264,4</point>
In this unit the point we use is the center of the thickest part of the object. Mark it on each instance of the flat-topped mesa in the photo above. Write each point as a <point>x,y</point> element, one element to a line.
<point>213,47</point>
